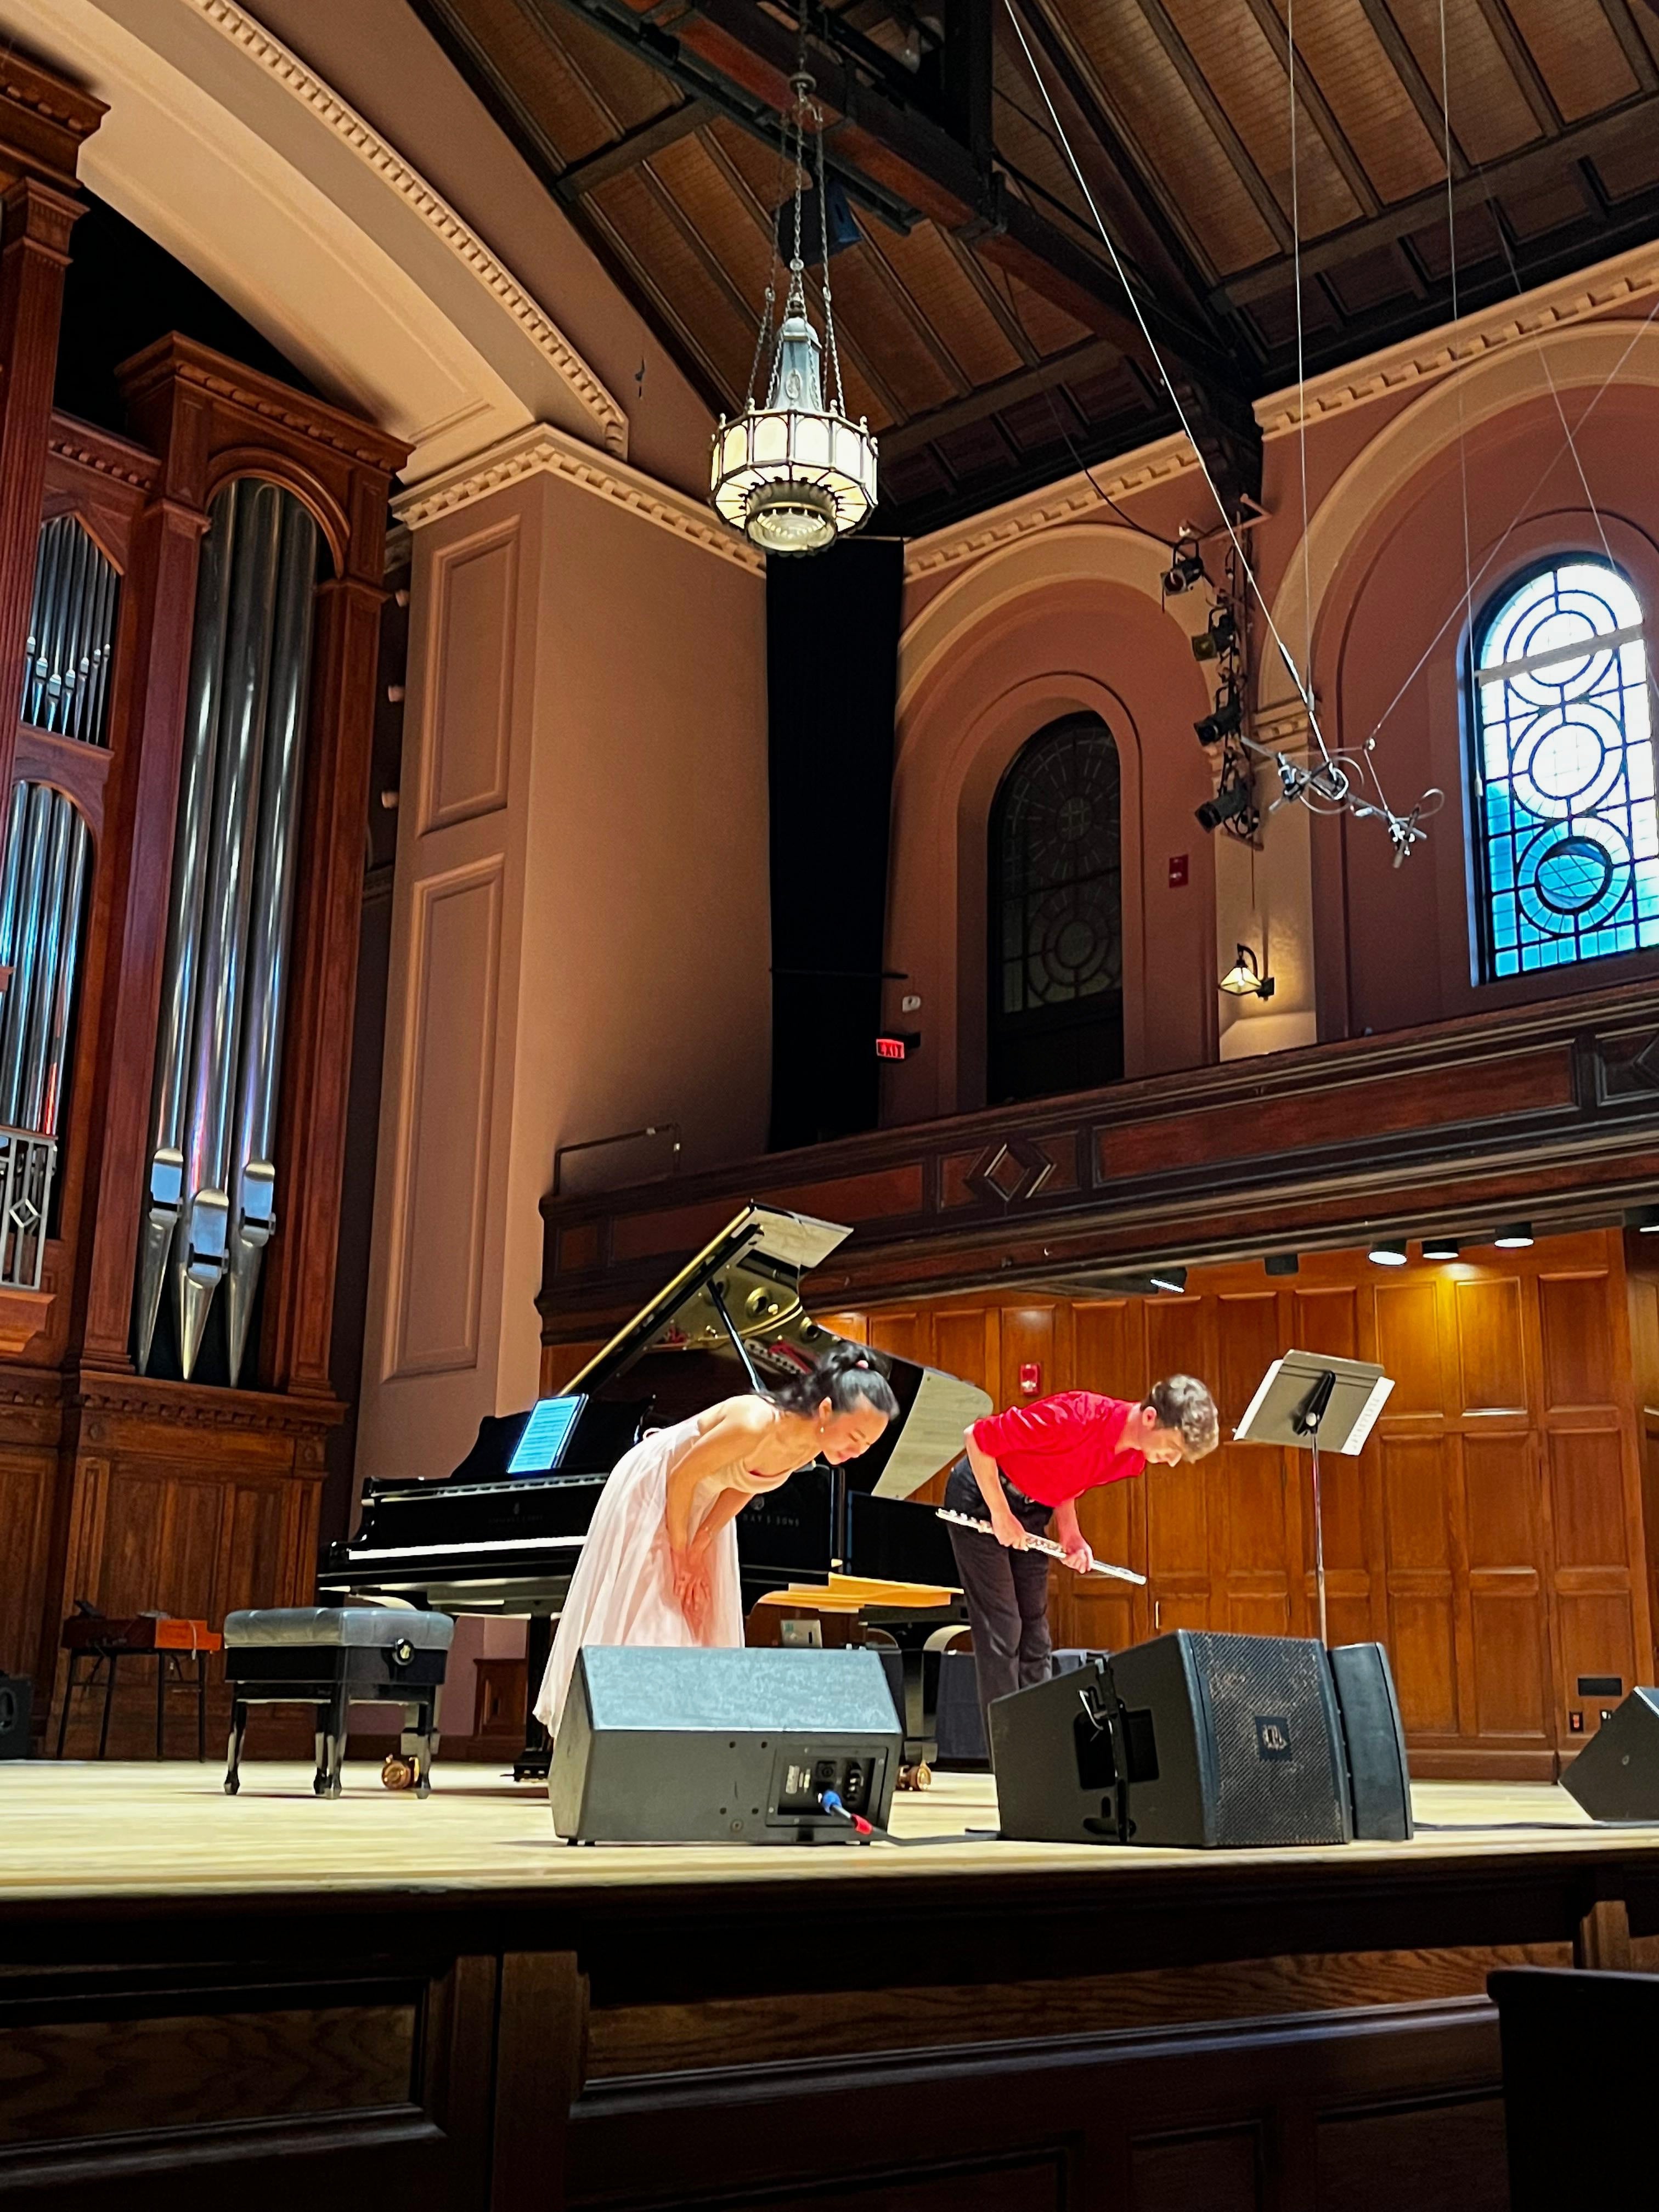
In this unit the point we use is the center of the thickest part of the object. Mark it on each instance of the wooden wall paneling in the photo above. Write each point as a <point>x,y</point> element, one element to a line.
<point>1092,1612</point>
<point>1250,1485</point>
<point>1327,1317</point>
<point>1641,1311</point>
<point>1183,1503</point>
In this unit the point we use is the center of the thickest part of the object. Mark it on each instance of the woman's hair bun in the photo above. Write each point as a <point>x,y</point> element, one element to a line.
<point>848,1375</point>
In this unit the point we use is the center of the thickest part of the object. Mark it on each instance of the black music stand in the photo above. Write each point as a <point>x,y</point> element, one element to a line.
<point>1312,1401</point>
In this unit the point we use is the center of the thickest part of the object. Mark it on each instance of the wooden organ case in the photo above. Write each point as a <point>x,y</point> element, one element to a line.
<point>189,621</point>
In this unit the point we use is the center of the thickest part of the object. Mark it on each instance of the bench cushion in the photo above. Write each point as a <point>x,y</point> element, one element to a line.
<point>357,1627</point>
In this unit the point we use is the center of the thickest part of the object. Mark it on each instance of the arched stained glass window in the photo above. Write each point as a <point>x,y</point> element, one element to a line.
<point>1056,1011</point>
<point>1566,829</point>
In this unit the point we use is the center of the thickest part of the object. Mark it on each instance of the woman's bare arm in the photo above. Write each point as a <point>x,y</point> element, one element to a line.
<point>741,1424</point>
<point>726,1507</point>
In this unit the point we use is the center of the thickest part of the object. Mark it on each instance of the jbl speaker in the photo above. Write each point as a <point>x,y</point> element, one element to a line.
<point>725,1747</point>
<point>16,1699</point>
<point>1616,1776</point>
<point>1198,1741</point>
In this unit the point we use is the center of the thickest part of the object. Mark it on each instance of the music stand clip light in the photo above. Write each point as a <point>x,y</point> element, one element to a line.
<point>1313,1401</point>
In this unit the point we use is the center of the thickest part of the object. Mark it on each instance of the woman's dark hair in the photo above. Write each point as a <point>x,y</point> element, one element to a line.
<point>848,1376</point>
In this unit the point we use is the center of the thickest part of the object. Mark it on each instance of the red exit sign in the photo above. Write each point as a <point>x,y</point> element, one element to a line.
<point>898,1047</point>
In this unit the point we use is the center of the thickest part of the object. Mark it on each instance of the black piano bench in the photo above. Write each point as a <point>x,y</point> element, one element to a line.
<point>334,1656</point>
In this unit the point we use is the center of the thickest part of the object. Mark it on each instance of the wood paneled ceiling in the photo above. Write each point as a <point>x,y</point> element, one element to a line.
<point>983,330</point>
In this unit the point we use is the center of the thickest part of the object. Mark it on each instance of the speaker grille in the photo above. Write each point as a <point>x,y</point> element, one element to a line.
<point>1273,1738</point>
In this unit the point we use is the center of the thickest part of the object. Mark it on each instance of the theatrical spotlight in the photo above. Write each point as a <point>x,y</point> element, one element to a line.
<point>1440,1248</point>
<point>1229,803</point>
<point>1643,1219</point>
<point>1388,1252</point>
<point>1516,1237</point>
<point>1223,721</point>
<point>1168,1278</point>
<point>1185,570</point>
<point>1220,639</point>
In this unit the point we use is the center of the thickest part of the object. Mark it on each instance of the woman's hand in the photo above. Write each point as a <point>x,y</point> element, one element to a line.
<point>693,1592</point>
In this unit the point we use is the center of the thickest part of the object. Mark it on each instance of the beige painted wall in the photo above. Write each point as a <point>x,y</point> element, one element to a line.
<point>580,937</point>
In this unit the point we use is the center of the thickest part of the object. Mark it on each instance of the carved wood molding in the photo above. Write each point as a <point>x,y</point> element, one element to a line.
<point>542,451</point>
<point>109,456</point>
<point>315,419</point>
<point>197,1406</point>
<point>286,69</point>
<point>1549,1112</point>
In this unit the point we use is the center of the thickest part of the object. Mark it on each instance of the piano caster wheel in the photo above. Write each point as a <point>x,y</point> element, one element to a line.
<point>918,1776</point>
<point>398,1772</point>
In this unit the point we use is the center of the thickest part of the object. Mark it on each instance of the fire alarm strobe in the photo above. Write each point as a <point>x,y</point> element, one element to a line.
<point>898,1045</point>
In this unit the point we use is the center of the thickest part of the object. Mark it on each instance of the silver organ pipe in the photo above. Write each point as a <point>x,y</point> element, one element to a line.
<point>72,634</point>
<point>45,878</point>
<point>252,1198</point>
<point>225,982</point>
<point>185,894</point>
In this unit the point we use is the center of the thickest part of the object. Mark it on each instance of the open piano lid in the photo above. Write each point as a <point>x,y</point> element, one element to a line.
<point>740,1299</point>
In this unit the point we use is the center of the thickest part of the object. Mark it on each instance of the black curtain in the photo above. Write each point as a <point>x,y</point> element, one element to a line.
<point>832,632</point>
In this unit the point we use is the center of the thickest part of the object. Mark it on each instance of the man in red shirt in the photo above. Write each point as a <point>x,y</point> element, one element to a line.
<point>1034,1462</point>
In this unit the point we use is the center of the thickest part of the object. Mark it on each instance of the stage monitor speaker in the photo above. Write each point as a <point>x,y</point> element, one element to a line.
<point>725,1747</point>
<point>1616,1776</point>
<point>16,1701</point>
<point>1197,1741</point>
<point>1374,1738</point>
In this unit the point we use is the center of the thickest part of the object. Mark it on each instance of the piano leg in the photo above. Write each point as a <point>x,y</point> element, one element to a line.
<point>331,1745</point>
<point>532,1762</point>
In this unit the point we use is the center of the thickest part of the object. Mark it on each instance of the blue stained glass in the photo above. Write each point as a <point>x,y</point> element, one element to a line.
<point>1566,823</point>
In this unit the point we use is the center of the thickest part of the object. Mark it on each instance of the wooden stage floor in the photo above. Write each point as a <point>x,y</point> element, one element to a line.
<point>88,1830</point>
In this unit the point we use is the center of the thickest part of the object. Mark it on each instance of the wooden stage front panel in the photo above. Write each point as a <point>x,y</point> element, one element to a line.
<point>275,2000</point>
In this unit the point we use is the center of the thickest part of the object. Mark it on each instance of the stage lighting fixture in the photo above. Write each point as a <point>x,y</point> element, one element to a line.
<point>1220,638</point>
<point>1244,979</point>
<point>1230,801</point>
<point>1388,1252</point>
<point>1224,720</point>
<point>1645,1218</point>
<point>1514,1238</point>
<point>1185,570</point>
<point>1168,1278</point>
<point>1440,1248</point>
<point>1281,1263</point>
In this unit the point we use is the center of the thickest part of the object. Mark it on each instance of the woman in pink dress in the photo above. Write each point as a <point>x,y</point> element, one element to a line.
<point>660,1563</point>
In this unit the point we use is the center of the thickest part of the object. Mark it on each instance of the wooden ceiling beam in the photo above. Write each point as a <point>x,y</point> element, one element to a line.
<point>632,147</point>
<point>1085,360</point>
<point>1320,111</point>
<point>1635,46</point>
<point>1423,96</point>
<point>1517,59</point>
<point>1532,167</point>
<point>1198,86</point>
<point>1159,237</point>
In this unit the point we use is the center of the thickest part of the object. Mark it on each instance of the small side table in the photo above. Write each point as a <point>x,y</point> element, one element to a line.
<point>168,1642</point>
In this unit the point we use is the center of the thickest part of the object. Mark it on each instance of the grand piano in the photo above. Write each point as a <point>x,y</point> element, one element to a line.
<point>502,1534</point>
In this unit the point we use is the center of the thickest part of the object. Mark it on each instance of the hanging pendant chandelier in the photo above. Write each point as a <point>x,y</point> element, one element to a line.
<point>795,474</point>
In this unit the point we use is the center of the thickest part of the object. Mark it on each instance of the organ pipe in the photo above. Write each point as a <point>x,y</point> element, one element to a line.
<point>72,634</point>
<point>225,979</point>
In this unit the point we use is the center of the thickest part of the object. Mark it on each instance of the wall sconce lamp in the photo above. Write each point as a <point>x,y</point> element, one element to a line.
<point>1244,979</point>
